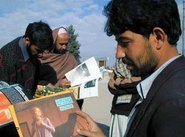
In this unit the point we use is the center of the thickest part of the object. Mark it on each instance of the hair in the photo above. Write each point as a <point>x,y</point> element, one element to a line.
<point>35,108</point>
<point>39,34</point>
<point>141,16</point>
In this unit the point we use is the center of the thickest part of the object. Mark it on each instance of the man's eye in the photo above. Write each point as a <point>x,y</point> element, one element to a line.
<point>124,43</point>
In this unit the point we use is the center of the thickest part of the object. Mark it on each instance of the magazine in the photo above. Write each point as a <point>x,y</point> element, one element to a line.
<point>10,94</point>
<point>86,71</point>
<point>53,115</point>
<point>89,89</point>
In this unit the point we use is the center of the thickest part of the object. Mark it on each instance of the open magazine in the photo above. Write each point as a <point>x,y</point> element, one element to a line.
<point>89,89</point>
<point>52,115</point>
<point>85,76</point>
<point>86,71</point>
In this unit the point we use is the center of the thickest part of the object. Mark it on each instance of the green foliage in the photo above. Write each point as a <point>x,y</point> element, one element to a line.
<point>73,45</point>
<point>46,90</point>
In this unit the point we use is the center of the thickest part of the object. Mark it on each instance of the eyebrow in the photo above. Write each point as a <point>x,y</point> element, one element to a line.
<point>120,38</point>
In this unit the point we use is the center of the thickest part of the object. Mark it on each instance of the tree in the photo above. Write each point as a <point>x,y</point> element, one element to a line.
<point>73,45</point>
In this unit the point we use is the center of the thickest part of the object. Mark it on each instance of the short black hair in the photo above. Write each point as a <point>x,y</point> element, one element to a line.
<point>141,16</point>
<point>40,34</point>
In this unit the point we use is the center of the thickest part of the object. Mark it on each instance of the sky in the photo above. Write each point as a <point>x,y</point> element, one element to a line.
<point>86,16</point>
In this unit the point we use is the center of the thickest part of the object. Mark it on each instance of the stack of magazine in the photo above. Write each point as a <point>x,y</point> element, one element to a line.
<point>10,94</point>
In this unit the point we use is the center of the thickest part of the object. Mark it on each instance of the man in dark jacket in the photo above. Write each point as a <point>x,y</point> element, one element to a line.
<point>19,61</point>
<point>147,32</point>
<point>122,85</point>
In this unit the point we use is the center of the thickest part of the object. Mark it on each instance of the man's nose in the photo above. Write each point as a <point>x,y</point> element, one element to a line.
<point>40,55</point>
<point>120,52</point>
<point>64,46</point>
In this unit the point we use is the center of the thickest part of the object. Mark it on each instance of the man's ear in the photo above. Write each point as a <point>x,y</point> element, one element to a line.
<point>27,41</point>
<point>159,37</point>
<point>158,33</point>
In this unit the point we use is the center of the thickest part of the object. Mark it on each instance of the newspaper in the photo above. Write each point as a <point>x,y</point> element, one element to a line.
<point>86,71</point>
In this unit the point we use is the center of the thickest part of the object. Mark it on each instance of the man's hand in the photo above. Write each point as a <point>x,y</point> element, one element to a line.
<point>65,83</point>
<point>93,129</point>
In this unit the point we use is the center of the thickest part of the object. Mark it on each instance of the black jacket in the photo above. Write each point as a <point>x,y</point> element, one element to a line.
<point>162,113</point>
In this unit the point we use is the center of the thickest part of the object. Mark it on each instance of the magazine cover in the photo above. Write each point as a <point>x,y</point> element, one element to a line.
<point>5,116</point>
<point>50,116</point>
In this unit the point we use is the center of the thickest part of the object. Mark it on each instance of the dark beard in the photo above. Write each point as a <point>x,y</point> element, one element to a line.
<point>61,51</point>
<point>145,70</point>
<point>31,56</point>
<point>150,65</point>
<point>135,71</point>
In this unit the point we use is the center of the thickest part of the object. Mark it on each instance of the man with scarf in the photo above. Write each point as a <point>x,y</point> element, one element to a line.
<point>122,85</point>
<point>57,62</point>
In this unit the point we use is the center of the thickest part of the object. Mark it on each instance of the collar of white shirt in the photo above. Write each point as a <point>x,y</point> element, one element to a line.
<point>144,86</point>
